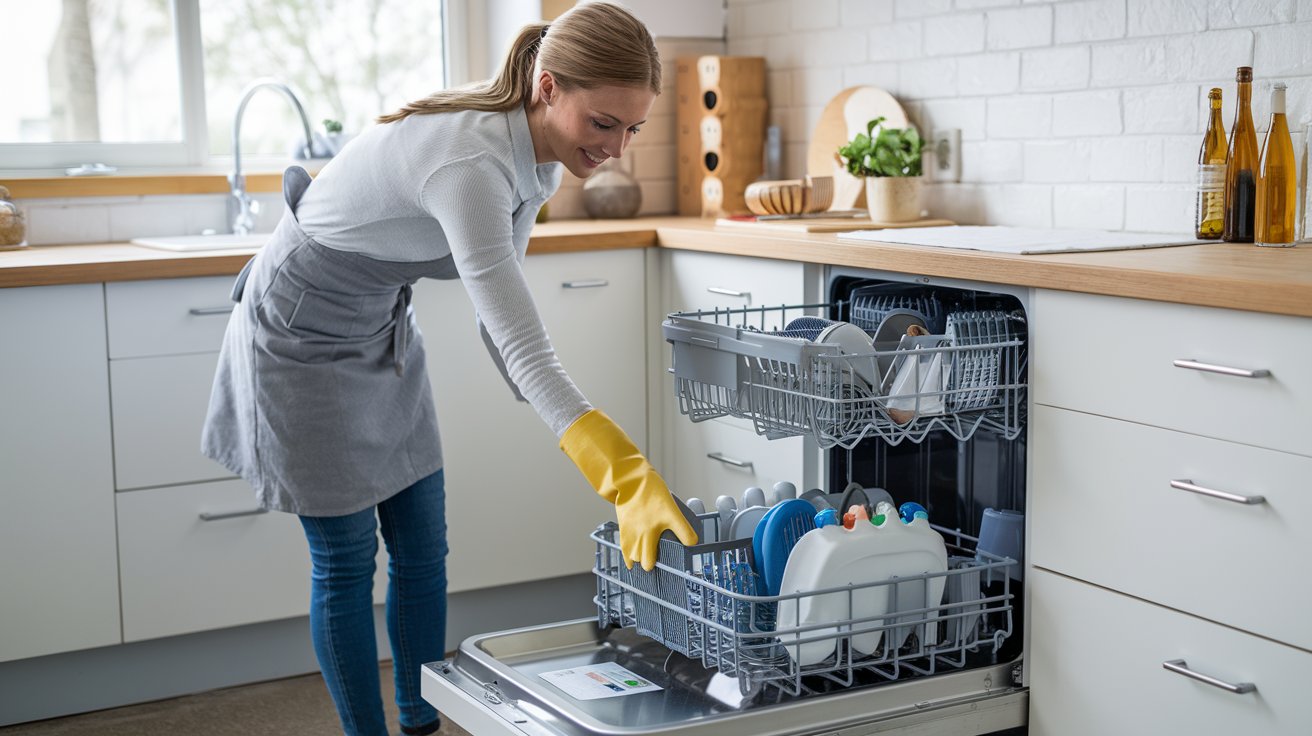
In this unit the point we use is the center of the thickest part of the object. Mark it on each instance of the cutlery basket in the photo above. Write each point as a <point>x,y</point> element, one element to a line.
<point>742,362</point>
<point>700,601</point>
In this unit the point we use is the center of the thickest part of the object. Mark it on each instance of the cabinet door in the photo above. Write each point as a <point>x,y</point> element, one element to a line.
<point>59,578</point>
<point>182,572</point>
<point>716,458</point>
<point>1096,669</point>
<point>517,508</point>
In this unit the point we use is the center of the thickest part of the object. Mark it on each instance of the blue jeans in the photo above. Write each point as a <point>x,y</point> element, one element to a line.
<point>342,551</point>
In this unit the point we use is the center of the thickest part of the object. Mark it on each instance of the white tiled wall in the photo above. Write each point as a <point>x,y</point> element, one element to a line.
<point>117,219</point>
<point>1074,113</point>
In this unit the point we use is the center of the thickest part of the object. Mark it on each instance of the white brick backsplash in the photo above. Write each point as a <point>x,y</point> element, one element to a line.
<point>815,14</point>
<point>152,216</point>
<point>769,19</point>
<point>1057,160</point>
<point>1168,208</point>
<point>1164,17</point>
<point>1019,28</point>
<point>1135,62</point>
<point>829,48</point>
<point>897,42</point>
<point>1020,205</point>
<point>1086,113</point>
<point>1019,117</point>
<point>976,4</point>
<point>758,46</point>
<point>966,114</point>
<point>1172,108</point>
<point>991,162</point>
<point>988,74</point>
<point>816,85</point>
<point>1126,159</point>
<point>1091,20</point>
<point>1055,69</point>
<point>659,130</point>
<point>1180,158</point>
<point>57,224</point>
<point>961,203</point>
<point>1305,9</point>
<point>655,162</point>
<point>918,8</point>
<point>1100,207</point>
<point>658,197</point>
<point>1284,51</point>
<point>1233,13</point>
<point>1209,56</point>
<point>954,34</point>
<point>884,75</point>
<point>207,212</point>
<point>567,204</point>
<point>865,12</point>
<point>930,78</point>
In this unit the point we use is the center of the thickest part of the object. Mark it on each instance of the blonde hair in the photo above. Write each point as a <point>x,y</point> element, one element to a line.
<point>593,44</point>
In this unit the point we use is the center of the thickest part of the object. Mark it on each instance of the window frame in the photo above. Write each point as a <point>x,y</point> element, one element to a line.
<point>192,152</point>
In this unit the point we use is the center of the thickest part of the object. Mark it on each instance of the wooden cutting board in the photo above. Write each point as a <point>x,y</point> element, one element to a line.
<point>824,224</point>
<point>842,118</point>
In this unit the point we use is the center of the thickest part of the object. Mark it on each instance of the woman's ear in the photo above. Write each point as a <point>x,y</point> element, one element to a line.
<point>546,87</point>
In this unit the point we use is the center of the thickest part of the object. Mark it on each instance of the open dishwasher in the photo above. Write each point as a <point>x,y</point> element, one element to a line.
<point>930,411</point>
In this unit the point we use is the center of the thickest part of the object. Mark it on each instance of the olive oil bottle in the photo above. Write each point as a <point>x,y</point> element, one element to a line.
<point>1241,166</point>
<point>1209,222</point>
<point>1277,187</point>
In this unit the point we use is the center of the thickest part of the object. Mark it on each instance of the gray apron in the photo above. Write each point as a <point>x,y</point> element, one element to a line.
<point>321,399</point>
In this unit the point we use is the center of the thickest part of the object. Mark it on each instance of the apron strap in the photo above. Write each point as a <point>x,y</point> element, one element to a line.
<point>401,328</point>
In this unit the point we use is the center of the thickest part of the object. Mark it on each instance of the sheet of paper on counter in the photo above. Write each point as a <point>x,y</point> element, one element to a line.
<point>1021,240</point>
<point>594,681</point>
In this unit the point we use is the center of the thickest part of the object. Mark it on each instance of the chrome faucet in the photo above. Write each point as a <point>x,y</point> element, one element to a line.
<point>241,207</point>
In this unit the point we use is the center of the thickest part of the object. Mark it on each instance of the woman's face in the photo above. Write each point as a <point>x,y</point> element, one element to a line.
<point>584,127</point>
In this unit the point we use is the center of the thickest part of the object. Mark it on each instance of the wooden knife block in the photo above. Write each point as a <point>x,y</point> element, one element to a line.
<point>720,118</point>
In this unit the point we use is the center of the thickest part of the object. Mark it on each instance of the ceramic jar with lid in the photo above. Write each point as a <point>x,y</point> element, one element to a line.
<point>13,230</point>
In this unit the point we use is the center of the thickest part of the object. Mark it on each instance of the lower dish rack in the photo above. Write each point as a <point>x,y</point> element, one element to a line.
<point>745,362</point>
<point>702,602</point>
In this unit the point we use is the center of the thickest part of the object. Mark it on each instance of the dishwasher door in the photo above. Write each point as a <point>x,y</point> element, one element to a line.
<point>493,686</point>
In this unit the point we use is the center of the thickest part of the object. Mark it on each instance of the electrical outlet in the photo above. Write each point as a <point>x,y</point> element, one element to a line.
<point>945,147</point>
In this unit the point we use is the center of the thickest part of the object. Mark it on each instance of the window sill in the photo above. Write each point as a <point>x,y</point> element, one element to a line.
<point>262,179</point>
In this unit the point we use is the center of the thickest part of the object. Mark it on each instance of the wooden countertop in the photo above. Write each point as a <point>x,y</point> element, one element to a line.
<point>1274,280</point>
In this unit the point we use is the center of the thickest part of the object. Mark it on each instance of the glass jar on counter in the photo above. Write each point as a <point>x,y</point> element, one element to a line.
<point>13,231</point>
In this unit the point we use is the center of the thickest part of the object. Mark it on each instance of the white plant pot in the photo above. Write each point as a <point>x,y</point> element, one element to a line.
<point>893,198</point>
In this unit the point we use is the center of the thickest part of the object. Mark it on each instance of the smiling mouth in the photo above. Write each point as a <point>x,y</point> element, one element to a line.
<point>595,161</point>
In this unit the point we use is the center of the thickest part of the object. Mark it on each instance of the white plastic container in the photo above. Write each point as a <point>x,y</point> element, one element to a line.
<point>855,559</point>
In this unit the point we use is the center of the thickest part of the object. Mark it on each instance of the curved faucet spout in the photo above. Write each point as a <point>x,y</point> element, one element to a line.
<point>242,220</point>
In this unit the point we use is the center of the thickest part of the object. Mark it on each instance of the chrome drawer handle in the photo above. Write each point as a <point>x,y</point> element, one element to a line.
<point>208,311</point>
<point>729,292</point>
<point>208,516</point>
<point>1224,370</point>
<point>1179,667</point>
<point>729,461</point>
<point>585,284</point>
<point>1188,485</point>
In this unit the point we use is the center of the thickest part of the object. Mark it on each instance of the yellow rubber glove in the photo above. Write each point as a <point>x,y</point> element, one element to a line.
<point>620,474</point>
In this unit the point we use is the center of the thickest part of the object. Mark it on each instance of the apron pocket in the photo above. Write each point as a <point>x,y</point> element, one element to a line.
<point>342,316</point>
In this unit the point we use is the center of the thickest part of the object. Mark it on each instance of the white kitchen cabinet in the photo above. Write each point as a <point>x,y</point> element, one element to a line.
<point>1166,516</point>
<point>198,557</point>
<point>517,508</point>
<point>725,455</point>
<point>1099,669</point>
<point>167,316</point>
<point>59,576</point>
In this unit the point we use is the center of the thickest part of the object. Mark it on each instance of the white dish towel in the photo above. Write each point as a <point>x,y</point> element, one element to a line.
<point>1021,240</point>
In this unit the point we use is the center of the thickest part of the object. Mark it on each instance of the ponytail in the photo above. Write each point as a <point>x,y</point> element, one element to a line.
<point>511,86</point>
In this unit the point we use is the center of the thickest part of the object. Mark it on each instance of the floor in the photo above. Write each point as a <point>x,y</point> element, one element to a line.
<point>297,706</point>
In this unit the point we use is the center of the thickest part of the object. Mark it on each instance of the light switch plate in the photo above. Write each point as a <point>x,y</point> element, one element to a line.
<point>945,152</point>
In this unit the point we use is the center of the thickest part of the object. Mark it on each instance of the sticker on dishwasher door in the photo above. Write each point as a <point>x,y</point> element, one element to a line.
<point>594,681</point>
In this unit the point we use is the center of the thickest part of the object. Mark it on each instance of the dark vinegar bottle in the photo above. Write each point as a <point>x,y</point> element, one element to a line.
<point>1241,167</point>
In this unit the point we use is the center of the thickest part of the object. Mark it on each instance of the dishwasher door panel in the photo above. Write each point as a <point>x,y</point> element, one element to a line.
<point>492,686</point>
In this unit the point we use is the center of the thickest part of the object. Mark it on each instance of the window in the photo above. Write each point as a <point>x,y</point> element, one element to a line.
<point>153,83</point>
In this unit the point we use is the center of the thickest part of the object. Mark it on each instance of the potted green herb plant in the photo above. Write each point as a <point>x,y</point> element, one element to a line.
<point>889,161</point>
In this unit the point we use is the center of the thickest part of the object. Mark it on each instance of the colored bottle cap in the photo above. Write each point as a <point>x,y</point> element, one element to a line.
<point>909,510</point>
<point>827,517</point>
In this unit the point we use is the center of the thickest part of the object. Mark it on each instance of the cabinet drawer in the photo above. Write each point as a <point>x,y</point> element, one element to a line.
<point>168,316</point>
<point>182,574</point>
<point>1097,669</point>
<point>159,406</point>
<point>1115,357</point>
<point>1104,511</point>
<point>742,459</point>
<point>708,281</point>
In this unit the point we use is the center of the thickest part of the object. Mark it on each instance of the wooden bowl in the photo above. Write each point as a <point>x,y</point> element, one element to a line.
<point>790,196</point>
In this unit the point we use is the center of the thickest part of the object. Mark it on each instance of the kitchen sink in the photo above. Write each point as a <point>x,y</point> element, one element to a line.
<point>220,241</point>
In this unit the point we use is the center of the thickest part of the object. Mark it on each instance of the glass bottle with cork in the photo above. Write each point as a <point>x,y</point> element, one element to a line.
<point>1277,186</point>
<point>1241,166</point>
<point>1209,220</point>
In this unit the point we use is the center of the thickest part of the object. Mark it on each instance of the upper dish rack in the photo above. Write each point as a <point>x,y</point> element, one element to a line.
<point>742,362</point>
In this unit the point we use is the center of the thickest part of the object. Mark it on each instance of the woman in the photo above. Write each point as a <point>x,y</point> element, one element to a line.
<point>321,400</point>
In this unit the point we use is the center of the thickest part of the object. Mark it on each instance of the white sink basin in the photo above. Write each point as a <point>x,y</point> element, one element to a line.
<point>220,241</point>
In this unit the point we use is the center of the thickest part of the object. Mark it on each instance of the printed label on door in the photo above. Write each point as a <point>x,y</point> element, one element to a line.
<point>594,681</point>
